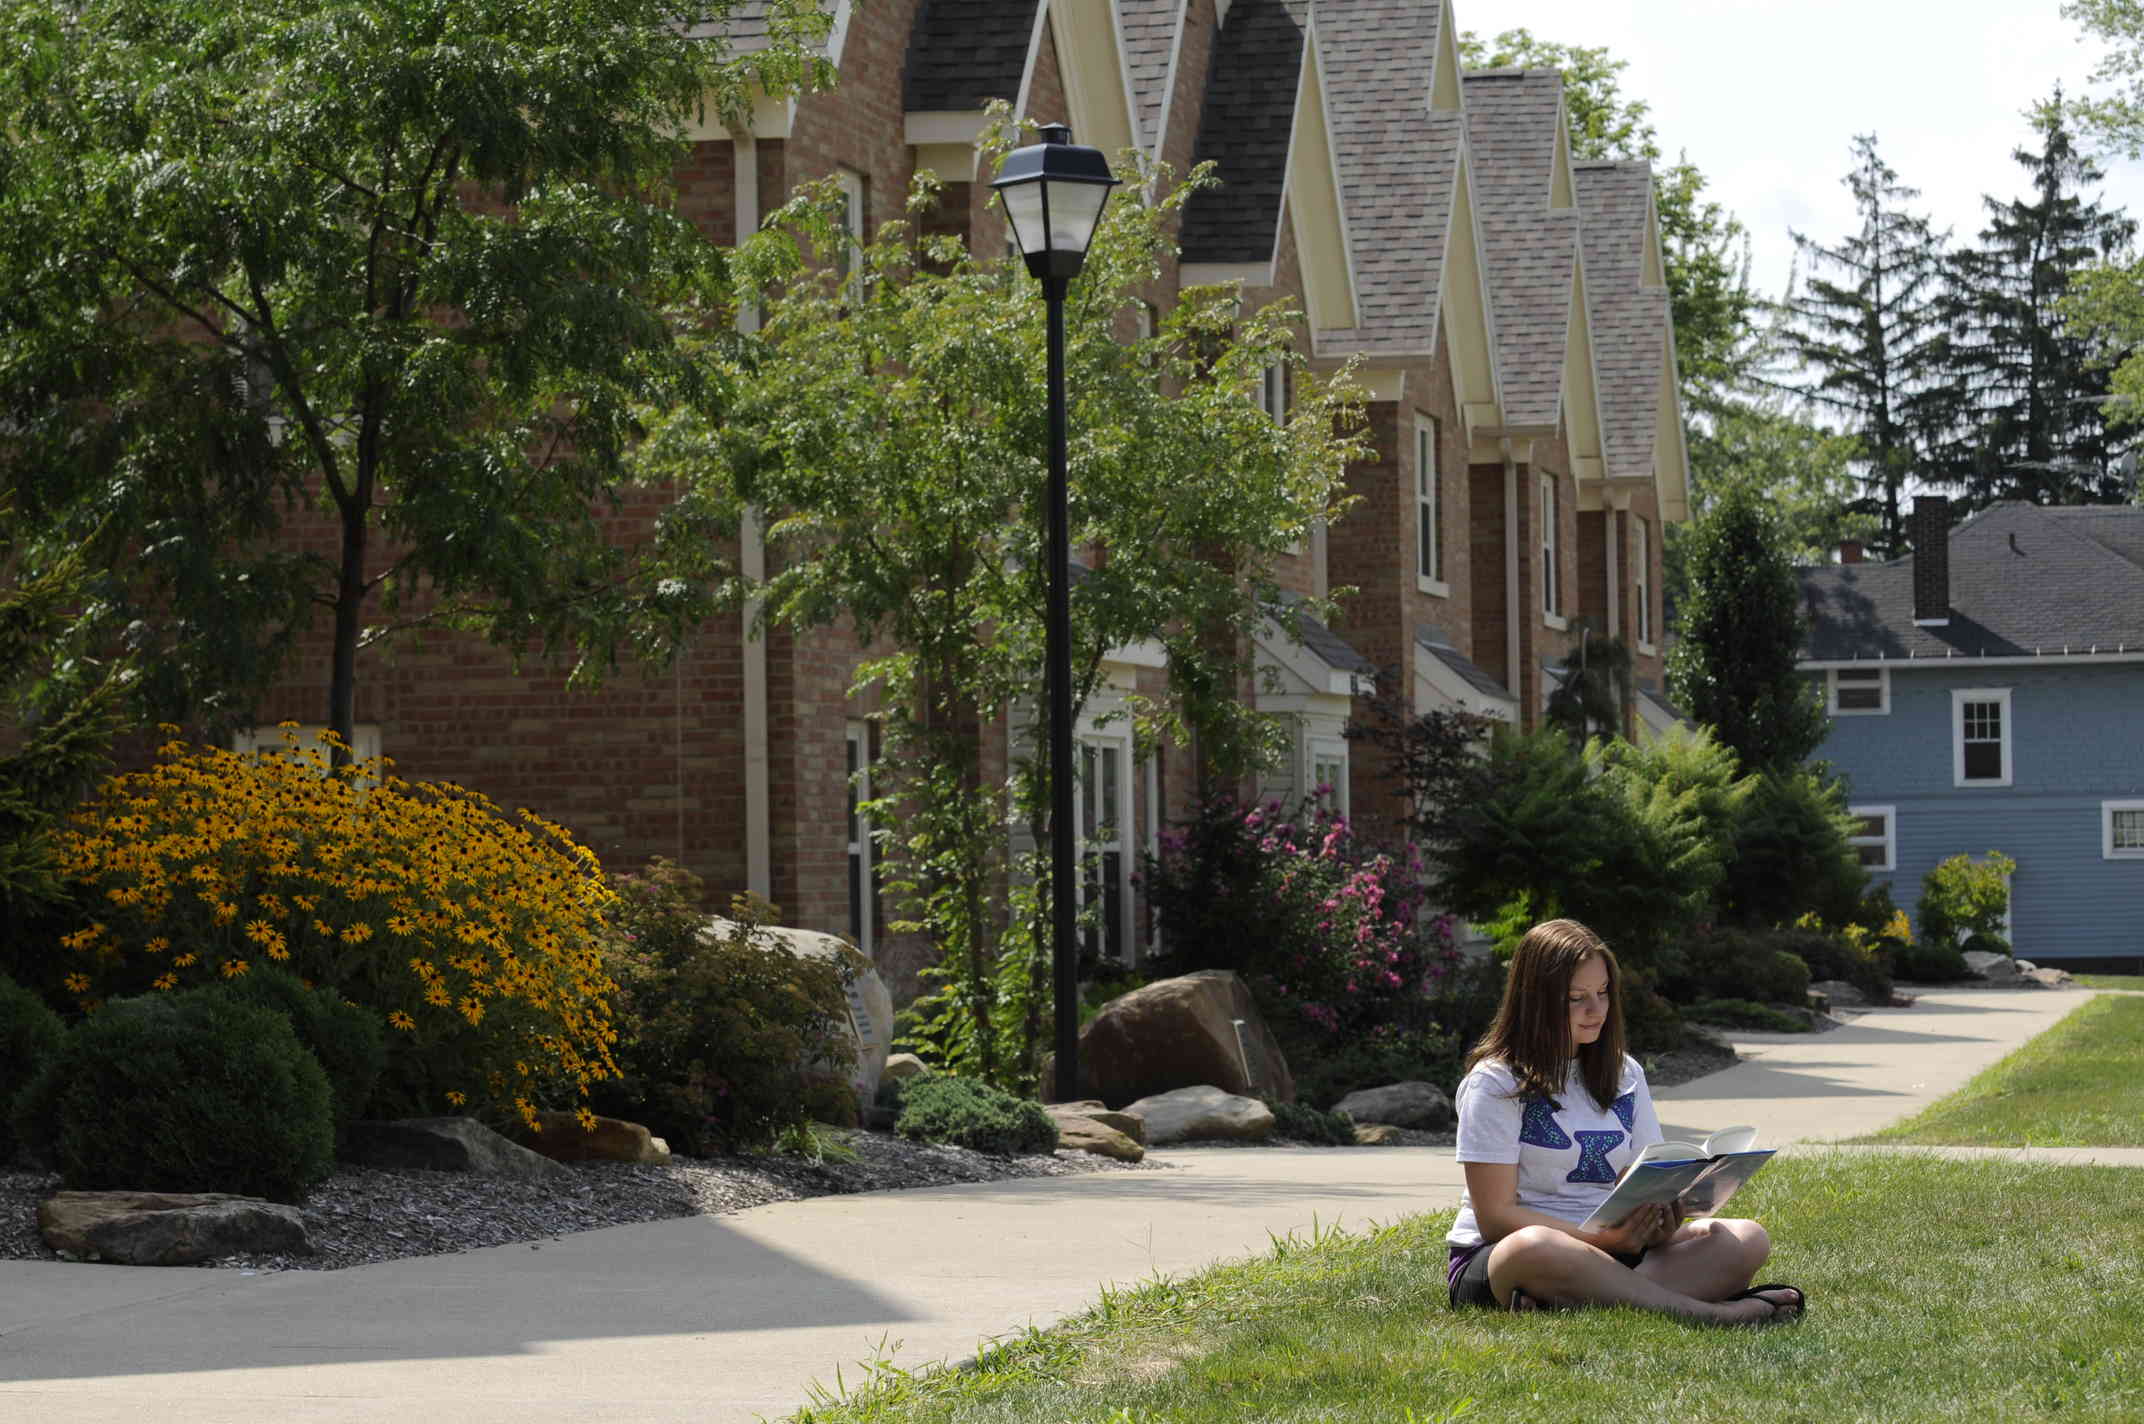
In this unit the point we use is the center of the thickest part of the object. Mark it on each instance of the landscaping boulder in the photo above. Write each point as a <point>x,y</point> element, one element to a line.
<point>1995,968</point>
<point>1129,1123</point>
<point>445,1144</point>
<point>168,1228</point>
<point>2045,977</point>
<point>1376,1134</point>
<point>1411,1104</point>
<point>563,1139</point>
<point>870,1001</point>
<point>900,1067</point>
<point>1084,1134</point>
<point>1202,1114</point>
<point>1838,994</point>
<point>1181,1033</point>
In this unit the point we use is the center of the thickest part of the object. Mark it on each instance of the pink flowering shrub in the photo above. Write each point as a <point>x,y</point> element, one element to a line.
<point>1327,930</point>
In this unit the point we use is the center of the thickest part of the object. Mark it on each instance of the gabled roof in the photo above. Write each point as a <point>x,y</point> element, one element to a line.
<point>1245,128</point>
<point>2024,582</point>
<point>1153,32</point>
<point>1529,231</point>
<point>1467,670</point>
<point>1297,622</point>
<point>964,53</point>
<point>1629,318</point>
<point>1398,164</point>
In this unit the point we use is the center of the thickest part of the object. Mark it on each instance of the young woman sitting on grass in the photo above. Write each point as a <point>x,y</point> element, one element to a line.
<point>1550,1113</point>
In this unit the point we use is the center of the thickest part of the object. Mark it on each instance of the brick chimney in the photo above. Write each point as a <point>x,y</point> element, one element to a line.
<point>1849,551</point>
<point>1928,531</point>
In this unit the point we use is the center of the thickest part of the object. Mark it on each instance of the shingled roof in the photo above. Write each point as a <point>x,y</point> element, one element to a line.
<point>1150,29</point>
<point>1529,248</point>
<point>1398,166</point>
<point>2024,581</point>
<point>1248,120</point>
<point>1629,320</point>
<point>964,53</point>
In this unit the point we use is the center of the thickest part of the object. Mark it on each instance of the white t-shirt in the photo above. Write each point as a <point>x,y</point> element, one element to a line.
<point>1568,1156</point>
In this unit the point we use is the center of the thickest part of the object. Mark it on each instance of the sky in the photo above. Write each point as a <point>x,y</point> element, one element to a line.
<point>1766,99</point>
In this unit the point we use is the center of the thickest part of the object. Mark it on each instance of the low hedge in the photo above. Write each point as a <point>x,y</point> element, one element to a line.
<point>967,1113</point>
<point>30,1033</point>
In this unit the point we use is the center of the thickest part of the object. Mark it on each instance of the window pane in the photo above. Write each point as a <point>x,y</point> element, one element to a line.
<point>856,898</point>
<point>1870,855</point>
<point>855,753</point>
<point>1983,761</point>
<point>1870,826</point>
<point>1113,905</point>
<point>1860,699</point>
<point>2129,830</point>
<point>1111,776</point>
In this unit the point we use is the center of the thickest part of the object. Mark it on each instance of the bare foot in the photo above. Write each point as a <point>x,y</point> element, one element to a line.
<point>1768,1305</point>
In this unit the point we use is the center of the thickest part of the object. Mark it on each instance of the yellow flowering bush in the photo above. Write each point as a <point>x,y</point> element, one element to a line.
<point>475,936</point>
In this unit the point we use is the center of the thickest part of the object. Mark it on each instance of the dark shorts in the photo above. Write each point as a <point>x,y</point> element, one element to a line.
<point>1466,1278</point>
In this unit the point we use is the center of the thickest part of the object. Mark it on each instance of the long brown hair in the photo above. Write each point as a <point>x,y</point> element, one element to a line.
<point>1532,1029</point>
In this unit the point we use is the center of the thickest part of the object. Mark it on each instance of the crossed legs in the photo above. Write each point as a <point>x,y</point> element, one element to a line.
<point>1690,1276</point>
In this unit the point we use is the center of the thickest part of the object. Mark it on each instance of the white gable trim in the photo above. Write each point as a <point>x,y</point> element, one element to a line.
<point>1310,190</point>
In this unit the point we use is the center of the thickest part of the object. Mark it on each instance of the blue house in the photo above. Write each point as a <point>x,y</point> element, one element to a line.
<point>1986,692</point>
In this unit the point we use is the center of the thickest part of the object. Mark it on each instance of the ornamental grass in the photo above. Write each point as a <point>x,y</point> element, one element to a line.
<point>475,936</point>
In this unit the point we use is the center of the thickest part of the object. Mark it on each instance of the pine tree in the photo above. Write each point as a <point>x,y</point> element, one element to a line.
<point>1873,342</point>
<point>2035,424</point>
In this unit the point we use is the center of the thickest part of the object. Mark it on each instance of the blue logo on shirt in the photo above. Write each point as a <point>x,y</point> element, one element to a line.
<point>1593,1150</point>
<point>1537,1125</point>
<point>1626,1108</point>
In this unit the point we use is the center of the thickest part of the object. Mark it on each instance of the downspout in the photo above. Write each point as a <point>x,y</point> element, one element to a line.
<point>1610,516</point>
<point>752,564</point>
<point>1512,536</point>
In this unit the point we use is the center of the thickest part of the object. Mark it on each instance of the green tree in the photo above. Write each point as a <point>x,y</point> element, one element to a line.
<point>2035,424</point>
<point>401,262</point>
<point>1733,667</point>
<point>892,426</point>
<point>1705,250</point>
<point>1873,340</point>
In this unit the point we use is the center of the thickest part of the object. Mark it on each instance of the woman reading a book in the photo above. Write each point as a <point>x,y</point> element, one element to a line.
<point>1551,1112</point>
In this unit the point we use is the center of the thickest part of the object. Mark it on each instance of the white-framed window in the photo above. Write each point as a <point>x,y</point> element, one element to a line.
<point>1327,758</point>
<point>1273,389</point>
<point>1858,692</point>
<point>1641,579</point>
<point>851,264</point>
<point>1551,593</point>
<point>1980,736</point>
<point>1151,771</point>
<point>1875,837</point>
<point>2121,830</point>
<point>1102,806</point>
<point>269,740</point>
<point>1429,512</point>
<point>1143,320</point>
<point>863,874</point>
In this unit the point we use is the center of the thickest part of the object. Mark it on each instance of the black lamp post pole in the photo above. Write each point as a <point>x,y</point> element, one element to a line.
<point>1058,676</point>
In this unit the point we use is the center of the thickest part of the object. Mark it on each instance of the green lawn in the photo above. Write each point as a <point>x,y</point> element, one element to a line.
<point>2080,1084</point>
<point>1938,1291</point>
<point>2112,981</point>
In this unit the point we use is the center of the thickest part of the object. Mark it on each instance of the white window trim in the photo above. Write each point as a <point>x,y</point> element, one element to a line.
<point>858,736</point>
<point>1959,696</point>
<point>1150,778</point>
<point>1429,498</point>
<point>1327,749</point>
<point>267,740</point>
<point>1641,578</point>
<point>2107,848</point>
<point>1551,580</point>
<point>1888,840</point>
<point>1120,744</point>
<point>853,221</point>
<point>1883,693</point>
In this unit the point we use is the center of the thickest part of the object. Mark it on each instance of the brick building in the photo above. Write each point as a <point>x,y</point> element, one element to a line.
<point>1507,307</point>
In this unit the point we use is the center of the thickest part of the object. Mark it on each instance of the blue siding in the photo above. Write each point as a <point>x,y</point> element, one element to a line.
<point>2077,738</point>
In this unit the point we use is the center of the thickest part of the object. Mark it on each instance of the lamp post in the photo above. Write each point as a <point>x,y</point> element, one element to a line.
<point>1053,193</point>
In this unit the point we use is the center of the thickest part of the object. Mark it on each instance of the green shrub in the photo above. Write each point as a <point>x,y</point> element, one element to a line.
<point>725,1039</point>
<point>1650,1023</point>
<point>347,1040</point>
<point>1790,855</point>
<point>30,1033</point>
<point>1852,954</point>
<point>1300,1123</point>
<point>1726,963</point>
<point>969,1113</point>
<point>1929,962</point>
<point>1327,1072</point>
<point>185,1093</point>
<point>1963,897</point>
<point>1744,1013</point>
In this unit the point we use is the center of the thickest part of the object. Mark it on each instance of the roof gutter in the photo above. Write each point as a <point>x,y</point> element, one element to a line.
<point>2121,653</point>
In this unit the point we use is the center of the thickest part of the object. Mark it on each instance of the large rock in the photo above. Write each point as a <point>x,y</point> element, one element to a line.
<point>1410,1104</point>
<point>1995,968</point>
<point>445,1144</point>
<point>1202,1114</point>
<point>168,1228</point>
<point>1129,1123</point>
<point>1181,1033</point>
<point>562,1139</point>
<point>870,1001</point>
<point>1376,1134</point>
<point>2044,976</point>
<point>1085,1134</point>
<point>1838,993</point>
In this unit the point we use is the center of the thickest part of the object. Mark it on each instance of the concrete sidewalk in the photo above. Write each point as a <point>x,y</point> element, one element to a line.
<point>718,1319</point>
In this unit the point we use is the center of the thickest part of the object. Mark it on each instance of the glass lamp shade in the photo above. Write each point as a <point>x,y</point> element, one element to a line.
<point>1053,193</point>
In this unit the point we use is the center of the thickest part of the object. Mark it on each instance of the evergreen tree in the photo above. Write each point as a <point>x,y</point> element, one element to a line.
<point>1732,668</point>
<point>1873,341</point>
<point>2035,424</point>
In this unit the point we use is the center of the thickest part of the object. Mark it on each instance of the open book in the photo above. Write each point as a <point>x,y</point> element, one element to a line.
<point>1704,1175</point>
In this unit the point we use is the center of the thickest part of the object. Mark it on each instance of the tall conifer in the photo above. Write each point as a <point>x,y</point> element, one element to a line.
<point>1873,342</point>
<point>2034,425</point>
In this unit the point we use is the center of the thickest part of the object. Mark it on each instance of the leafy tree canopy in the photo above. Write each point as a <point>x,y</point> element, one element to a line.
<point>386,275</point>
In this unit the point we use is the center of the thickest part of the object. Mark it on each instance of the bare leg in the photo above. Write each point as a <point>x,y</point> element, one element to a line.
<point>1709,1259</point>
<point>1562,1270</point>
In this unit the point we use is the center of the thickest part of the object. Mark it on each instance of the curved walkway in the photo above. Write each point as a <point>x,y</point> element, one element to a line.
<point>720,1319</point>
